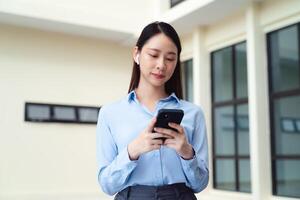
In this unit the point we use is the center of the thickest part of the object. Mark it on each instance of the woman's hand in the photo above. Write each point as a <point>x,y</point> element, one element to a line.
<point>177,140</point>
<point>145,142</point>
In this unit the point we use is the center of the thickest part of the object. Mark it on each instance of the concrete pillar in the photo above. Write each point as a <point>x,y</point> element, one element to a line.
<point>201,70</point>
<point>260,156</point>
<point>202,83</point>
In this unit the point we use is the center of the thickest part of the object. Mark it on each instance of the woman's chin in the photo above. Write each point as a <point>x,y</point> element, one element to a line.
<point>158,83</point>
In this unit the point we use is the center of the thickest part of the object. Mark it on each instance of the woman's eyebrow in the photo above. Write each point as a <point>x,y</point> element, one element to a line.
<point>170,52</point>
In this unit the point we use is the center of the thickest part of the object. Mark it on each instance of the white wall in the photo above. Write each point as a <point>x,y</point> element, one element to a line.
<point>116,15</point>
<point>48,161</point>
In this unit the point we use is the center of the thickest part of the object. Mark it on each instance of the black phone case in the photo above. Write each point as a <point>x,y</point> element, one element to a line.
<point>165,116</point>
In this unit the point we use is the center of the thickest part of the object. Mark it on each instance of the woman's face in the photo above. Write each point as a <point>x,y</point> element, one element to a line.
<point>158,59</point>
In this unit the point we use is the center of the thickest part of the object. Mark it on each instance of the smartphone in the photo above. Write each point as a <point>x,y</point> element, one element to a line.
<point>165,116</point>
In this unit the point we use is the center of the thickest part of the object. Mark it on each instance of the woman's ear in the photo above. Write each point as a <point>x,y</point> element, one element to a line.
<point>136,55</point>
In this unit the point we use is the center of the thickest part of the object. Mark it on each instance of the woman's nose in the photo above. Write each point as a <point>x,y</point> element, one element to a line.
<point>161,64</point>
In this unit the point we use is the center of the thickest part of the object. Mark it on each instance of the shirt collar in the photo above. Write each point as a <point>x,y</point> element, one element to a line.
<point>132,96</point>
<point>172,97</point>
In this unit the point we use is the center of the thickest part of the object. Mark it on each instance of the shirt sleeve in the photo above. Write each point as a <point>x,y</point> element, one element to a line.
<point>114,167</point>
<point>196,169</point>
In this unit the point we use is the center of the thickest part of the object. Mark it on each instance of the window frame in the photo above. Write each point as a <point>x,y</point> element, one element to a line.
<point>273,96</point>
<point>235,103</point>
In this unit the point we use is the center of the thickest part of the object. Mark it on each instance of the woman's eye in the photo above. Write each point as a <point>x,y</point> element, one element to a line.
<point>170,59</point>
<point>154,56</point>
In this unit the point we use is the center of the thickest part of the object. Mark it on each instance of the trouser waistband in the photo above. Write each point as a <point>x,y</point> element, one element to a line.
<point>154,191</point>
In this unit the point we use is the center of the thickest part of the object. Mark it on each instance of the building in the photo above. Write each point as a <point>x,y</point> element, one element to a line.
<point>241,64</point>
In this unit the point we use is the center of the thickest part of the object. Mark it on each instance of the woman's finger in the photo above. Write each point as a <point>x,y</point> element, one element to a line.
<point>169,141</point>
<point>157,142</point>
<point>158,135</point>
<point>176,126</point>
<point>166,131</point>
<point>156,146</point>
<point>151,125</point>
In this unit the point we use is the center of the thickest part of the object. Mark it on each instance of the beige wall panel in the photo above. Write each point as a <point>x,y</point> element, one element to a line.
<point>53,159</point>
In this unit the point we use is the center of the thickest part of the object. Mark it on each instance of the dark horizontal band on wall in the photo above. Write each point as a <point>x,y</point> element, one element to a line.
<point>59,113</point>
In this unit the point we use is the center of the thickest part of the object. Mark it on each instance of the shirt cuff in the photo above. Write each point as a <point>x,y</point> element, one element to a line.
<point>189,164</point>
<point>125,160</point>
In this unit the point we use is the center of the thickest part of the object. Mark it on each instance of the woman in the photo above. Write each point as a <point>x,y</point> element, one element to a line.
<point>132,162</point>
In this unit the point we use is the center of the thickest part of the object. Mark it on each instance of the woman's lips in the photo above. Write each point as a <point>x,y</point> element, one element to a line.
<point>158,76</point>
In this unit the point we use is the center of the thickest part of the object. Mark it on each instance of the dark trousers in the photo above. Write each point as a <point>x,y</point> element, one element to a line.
<point>176,191</point>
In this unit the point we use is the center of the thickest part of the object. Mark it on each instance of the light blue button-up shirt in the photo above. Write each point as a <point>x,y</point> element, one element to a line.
<point>121,122</point>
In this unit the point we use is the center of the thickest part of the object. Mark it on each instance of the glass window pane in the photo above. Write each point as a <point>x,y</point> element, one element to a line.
<point>64,113</point>
<point>287,134</point>
<point>222,72</point>
<point>225,174</point>
<point>188,80</point>
<point>88,114</point>
<point>244,175</point>
<point>241,70</point>
<point>224,131</point>
<point>243,129</point>
<point>288,178</point>
<point>38,112</point>
<point>285,59</point>
<point>175,2</point>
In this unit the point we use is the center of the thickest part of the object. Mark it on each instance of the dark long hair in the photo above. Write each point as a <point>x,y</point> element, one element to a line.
<point>174,83</point>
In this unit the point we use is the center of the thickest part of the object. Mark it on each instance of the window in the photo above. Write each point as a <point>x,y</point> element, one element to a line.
<point>284,93</point>
<point>231,158</point>
<point>187,79</point>
<point>38,112</point>
<point>175,2</point>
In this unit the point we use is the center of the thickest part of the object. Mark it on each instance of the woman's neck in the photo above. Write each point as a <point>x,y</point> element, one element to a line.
<point>149,95</point>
